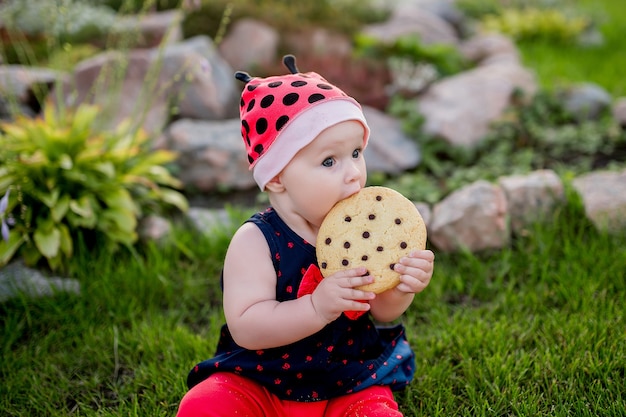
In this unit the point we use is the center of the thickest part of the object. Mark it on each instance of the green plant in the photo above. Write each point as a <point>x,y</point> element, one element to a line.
<point>539,134</point>
<point>64,20</point>
<point>445,58</point>
<point>536,24</point>
<point>285,16</point>
<point>71,181</point>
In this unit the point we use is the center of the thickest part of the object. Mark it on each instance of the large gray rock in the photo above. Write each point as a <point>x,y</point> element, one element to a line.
<point>472,218</point>
<point>250,44</point>
<point>389,149</point>
<point>22,87</point>
<point>146,86</point>
<point>211,154</point>
<point>604,196</point>
<point>211,95</point>
<point>413,21</point>
<point>460,109</point>
<point>17,280</point>
<point>532,197</point>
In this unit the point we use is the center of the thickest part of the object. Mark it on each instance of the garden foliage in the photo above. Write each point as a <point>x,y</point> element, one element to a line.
<point>69,180</point>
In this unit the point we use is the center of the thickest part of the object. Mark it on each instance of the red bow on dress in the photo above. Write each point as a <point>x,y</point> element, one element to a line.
<point>311,279</point>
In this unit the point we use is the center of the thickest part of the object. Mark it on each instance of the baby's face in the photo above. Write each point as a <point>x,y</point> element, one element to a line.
<point>326,171</point>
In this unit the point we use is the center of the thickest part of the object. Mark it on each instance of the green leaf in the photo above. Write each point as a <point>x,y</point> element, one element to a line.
<point>65,161</point>
<point>106,168</point>
<point>49,199</point>
<point>175,198</point>
<point>83,207</point>
<point>119,199</point>
<point>67,246</point>
<point>8,249</point>
<point>59,210</point>
<point>125,220</point>
<point>48,242</point>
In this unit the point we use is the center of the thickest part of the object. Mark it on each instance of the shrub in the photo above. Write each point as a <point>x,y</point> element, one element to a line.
<point>446,59</point>
<point>536,24</point>
<point>64,21</point>
<point>539,134</point>
<point>70,181</point>
<point>286,16</point>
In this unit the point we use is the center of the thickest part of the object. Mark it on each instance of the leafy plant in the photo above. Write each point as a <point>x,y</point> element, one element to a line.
<point>536,24</point>
<point>540,134</point>
<point>445,58</point>
<point>285,16</point>
<point>64,20</point>
<point>72,181</point>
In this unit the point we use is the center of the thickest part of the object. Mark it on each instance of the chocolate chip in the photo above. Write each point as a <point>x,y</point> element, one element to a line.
<point>371,216</point>
<point>378,198</point>
<point>398,221</point>
<point>364,258</point>
<point>391,266</point>
<point>366,234</point>
<point>403,245</point>
<point>324,265</point>
<point>379,249</point>
<point>345,262</point>
<point>328,240</point>
<point>348,219</point>
<point>346,245</point>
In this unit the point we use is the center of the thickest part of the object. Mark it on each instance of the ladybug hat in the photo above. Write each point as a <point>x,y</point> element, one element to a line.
<point>282,114</point>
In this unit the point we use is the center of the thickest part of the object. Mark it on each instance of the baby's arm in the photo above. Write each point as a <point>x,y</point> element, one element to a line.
<point>256,319</point>
<point>415,270</point>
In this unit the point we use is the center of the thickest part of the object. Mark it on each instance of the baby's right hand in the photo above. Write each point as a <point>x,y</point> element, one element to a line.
<point>337,293</point>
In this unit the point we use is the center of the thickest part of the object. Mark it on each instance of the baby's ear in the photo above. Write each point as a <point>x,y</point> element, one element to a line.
<point>275,185</point>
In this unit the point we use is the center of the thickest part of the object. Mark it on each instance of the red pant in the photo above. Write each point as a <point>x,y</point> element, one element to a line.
<point>227,395</point>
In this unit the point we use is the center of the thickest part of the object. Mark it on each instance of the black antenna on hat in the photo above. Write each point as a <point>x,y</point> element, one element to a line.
<point>243,76</point>
<point>290,63</point>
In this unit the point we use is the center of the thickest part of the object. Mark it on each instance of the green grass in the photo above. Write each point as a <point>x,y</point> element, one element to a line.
<point>534,329</point>
<point>560,65</point>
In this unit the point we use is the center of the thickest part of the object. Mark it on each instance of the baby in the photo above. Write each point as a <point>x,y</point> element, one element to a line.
<point>284,355</point>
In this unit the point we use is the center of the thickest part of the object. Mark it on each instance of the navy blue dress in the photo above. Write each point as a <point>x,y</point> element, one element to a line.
<point>345,356</point>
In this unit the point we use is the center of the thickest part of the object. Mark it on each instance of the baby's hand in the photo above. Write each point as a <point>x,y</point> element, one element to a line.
<point>337,293</point>
<point>415,271</point>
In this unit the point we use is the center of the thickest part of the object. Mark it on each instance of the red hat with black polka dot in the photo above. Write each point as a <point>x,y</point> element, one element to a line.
<point>282,114</point>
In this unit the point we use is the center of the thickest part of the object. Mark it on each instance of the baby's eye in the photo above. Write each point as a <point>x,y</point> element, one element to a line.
<point>328,162</point>
<point>356,153</point>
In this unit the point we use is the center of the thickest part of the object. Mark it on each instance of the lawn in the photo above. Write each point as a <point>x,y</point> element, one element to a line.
<point>558,66</point>
<point>533,329</point>
<point>536,328</point>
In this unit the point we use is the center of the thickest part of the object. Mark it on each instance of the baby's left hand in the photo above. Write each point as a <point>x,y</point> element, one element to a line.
<point>415,271</point>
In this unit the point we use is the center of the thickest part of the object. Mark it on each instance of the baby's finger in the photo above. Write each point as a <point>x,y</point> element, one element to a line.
<point>353,282</point>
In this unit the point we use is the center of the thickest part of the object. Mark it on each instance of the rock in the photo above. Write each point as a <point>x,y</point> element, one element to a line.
<point>154,228</point>
<point>117,83</point>
<point>532,198</point>
<point>389,149</point>
<point>206,220</point>
<point>586,101</point>
<point>211,154</point>
<point>473,218</point>
<point>461,108</point>
<point>17,280</point>
<point>24,86</point>
<point>250,44</point>
<point>207,88</point>
<point>604,197</point>
<point>489,48</point>
<point>143,85</point>
<point>412,21</point>
<point>619,112</point>
<point>426,213</point>
<point>150,30</point>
